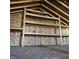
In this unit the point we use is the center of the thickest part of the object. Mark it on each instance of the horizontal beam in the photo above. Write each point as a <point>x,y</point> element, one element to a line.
<point>41,34</point>
<point>19,2</point>
<point>55,13</point>
<point>16,11</point>
<point>18,7</point>
<point>45,17</point>
<point>56,7</point>
<point>16,28</point>
<point>53,16</point>
<point>35,11</point>
<point>51,25</point>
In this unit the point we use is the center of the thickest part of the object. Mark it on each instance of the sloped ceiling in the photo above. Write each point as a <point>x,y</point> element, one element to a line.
<point>57,8</point>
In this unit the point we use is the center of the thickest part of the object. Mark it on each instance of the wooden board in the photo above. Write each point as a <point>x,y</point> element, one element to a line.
<point>16,20</point>
<point>15,37</point>
<point>38,29</point>
<point>58,41</point>
<point>38,40</point>
<point>53,41</point>
<point>32,28</point>
<point>44,40</point>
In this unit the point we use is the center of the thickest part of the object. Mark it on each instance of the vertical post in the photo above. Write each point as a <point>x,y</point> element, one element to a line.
<point>24,18</point>
<point>60,32</point>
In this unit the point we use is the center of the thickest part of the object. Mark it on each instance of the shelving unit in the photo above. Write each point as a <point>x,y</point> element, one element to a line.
<point>38,28</point>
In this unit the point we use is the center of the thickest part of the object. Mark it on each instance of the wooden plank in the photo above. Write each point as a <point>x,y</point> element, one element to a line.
<point>53,25</point>
<point>62,4</point>
<point>56,7</point>
<point>16,11</point>
<point>55,13</point>
<point>41,34</point>
<point>53,42</point>
<point>58,41</point>
<point>38,40</point>
<point>35,11</point>
<point>19,2</point>
<point>18,7</point>
<point>45,17</point>
<point>54,16</point>
<point>16,28</point>
<point>44,40</point>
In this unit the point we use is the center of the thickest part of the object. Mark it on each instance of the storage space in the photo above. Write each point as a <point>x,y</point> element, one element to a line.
<point>36,29</point>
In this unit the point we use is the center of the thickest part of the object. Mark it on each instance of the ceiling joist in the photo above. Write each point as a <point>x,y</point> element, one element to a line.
<point>56,7</point>
<point>55,12</point>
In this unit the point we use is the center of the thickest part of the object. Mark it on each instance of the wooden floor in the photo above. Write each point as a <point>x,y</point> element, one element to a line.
<point>40,52</point>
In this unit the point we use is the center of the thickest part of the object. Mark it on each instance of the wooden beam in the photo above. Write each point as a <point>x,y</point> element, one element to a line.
<point>55,12</point>
<point>35,11</point>
<point>16,11</point>
<point>18,7</point>
<point>62,4</point>
<point>41,34</point>
<point>51,25</point>
<point>56,7</point>
<point>19,2</point>
<point>16,28</point>
<point>53,16</point>
<point>45,17</point>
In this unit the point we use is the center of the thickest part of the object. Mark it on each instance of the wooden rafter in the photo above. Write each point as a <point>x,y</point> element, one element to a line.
<point>54,12</point>
<point>46,17</point>
<point>56,7</point>
<point>19,2</point>
<point>62,4</point>
<point>18,7</point>
<point>53,16</point>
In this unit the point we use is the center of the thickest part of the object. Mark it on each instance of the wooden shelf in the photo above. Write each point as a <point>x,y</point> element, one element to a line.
<point>53,25</point>
<point>41,34</point>
<point>16,28</point>
<point>45,17</point>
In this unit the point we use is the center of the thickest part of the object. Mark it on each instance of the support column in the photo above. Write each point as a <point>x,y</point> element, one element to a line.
<point>60,32</point>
